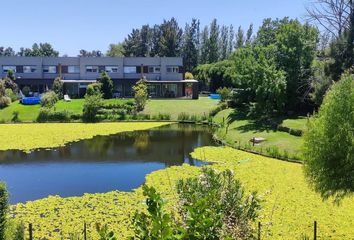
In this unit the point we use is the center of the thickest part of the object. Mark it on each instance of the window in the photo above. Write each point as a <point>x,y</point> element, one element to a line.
<point>154,69</point>
<point>173,69</point>
<point>50,69</point>
<point>73,69</point>
<point>91,69</point>
<point>5,69</point>
<point>130,69</point>
<point>29,69</point>
<point>111,69</point>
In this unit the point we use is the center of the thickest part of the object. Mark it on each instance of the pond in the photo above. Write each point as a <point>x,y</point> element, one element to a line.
<point>101,164</point>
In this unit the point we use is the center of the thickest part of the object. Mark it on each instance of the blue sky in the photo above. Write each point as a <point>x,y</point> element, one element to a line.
<point>70,25</point>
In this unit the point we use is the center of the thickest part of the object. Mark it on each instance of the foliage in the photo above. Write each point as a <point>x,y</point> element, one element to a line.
<point>93,53</point>
<point>157,224</point>
<point>188,75</point>
<point>39,50</point>
<point>26,91</point>
<point>329,149</point>
<point>140,94</point>
<point>106,85</point>
<point>115,50</point>
<point>15,117</point>
<point>4,100</point>
<point>49,115</point>
<point>211,206</point>
<point>49,99</point>
<point>20,137</point>
<point>92,104</point>
<point>104,232</point>
<point>190,41</point>
<point>93,89</point>
<point>9,81</point>
<point>320,82</point>
<point>225,93</point>
<point>3,210</point>
<point>58,87</point>
<point>9,93</point>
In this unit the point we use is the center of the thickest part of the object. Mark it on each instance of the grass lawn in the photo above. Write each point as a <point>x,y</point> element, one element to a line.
<point>29,113</point>
<point>241,130</point>
<point>176,106</point>
<point>289,206</point>
<point>298,123</point>
<point>28,136</point>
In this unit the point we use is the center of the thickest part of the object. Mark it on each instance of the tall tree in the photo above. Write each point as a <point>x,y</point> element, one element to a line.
<point>132,44</point>
<point>213,50</point>
<point>7,51</point>
<point>204,42</point>
<point>106,85</point>
<point>155,40</point>
<point>231,40</point>
<point>190,45</point>
<point>170,41</point>
<point>39,50</point>
<point>145,40</point>
<point>115,50</point>
<point>240,38</point>
<point>224,42</point>
<point>249,34</point>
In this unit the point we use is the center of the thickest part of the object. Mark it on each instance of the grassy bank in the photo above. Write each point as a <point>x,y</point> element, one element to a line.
<point>289,206</point>
<point>48,135</point>
<point>237,130</point>
<point>173,107</point>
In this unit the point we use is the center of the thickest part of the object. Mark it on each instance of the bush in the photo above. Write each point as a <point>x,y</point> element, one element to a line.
<point>4,197</point>
<point>221,106</point>
<point>140,95</point>
<point>58,87</point>
<point>183,116</point>
<point>15,117</point>
<point>210,206</point>
<point>26,90</point>
<point>4,101</point>
<point>49,99</point>
<point>93,89</point>
<point>106,85</point>
<point>161,116</point>
<point>225,93</point>
<point>188,76</point>
<point>49,115</point>
<point>91,107</point>
<point>9,93</point>
<point>329,149</point>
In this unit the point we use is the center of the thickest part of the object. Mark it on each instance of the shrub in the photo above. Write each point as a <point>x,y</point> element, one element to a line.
<point>93,89</point>
<point>15,117</point>
<point>58,87</point>
<point>26,91</point>
<point>49,115</point>
<point>140,95</point>
<point>10,83</point>
<point>161,116</point>
<point>3,209</point>
<point>49,99</point>
<point>106,85</point>
<point>329,149</point>
<point>91,107</point>
<point>183,116</point>
<point>9,93</point>
<point>225,93</point>
<point>211,206</point>
<point>4,101</point>
<point>188,76</point>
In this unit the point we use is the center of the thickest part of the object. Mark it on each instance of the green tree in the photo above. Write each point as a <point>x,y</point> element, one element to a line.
<point>91,107</point>
<point>140,94</point>
<point>39,50</point>
<point>224,43</point>
<point>58,87</point>
<point>93,89</point>
<point>115,50</point>
<point>106,85</point>
<point>204,42</point>
<point>240,38</point>
<point>9,81</point>
<point>170,40</point>
<point>4,100</point>
<point>3,209</point>
<point>190,45</point>
<point>213,48</point>
<point>49,99</point>
<point>329,148</point>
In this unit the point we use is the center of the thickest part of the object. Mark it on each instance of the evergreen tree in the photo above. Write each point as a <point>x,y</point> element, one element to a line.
<point>106,85</point>
<point>170,41</point>
<point>190,45</point>
<point>240,38</point>
<point>204,42</point>
<point>155,41</point>
<point>224,42</point>
<point>231,40</point>
<point>249,34</point>
<point>115,50</point>
<point>213,51</point>
<point>131,44</point>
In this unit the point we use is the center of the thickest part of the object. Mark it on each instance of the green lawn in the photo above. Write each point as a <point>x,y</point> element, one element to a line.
<point>298,123</point>
<point>29,113</point>
<point>176,106</point>
<point>241,130</point>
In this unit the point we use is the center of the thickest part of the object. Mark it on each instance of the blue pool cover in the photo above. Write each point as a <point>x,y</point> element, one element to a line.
<point>215,96</point>
<point>31,100</point>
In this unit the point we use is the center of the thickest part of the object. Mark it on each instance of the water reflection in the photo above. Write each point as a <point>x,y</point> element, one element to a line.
<point>104,163</point>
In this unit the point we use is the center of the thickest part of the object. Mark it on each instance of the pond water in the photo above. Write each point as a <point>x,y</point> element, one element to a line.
<point>101,164</point>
